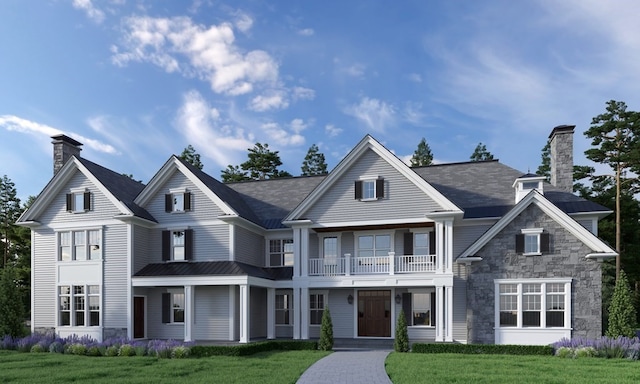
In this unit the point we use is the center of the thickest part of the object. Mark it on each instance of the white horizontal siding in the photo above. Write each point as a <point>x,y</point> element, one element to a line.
<point>258,313</point>
<point>155,328</point>
<point>142,250</point>
<point>342,313</point>
<point>115,282</point>
<point>403,199</point>
<point>211,313</point>
<point>202,208</point>
<point>463,237</point>
<point>211,243</point>
<point>44,275</point>
<point>249,247</point>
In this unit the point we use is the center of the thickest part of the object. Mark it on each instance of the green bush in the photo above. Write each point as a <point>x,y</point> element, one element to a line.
<point>112,351</point>
<point>250,349</point>
<point>180,352</point>
<point>94,351</point>
<point>401,343</point>
<point>126,350</point>
<point>622,314</point>
<point>78,349</point>
<point>37,348</point>
<point>56,347</point>
<point>326,331</point>
<point>488,349</point>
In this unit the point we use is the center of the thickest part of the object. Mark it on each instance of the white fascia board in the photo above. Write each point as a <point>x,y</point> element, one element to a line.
<point>603,255</point>
<point>534,197</point>
<point>370,223</point>
<point>29,224</point>
<point>242,222</point>
<point>122,207</point>
<point>136,220</point>
<point>179,281</point>
<point>369,142</point>
<point>166,172</point>
<point>298,223</point>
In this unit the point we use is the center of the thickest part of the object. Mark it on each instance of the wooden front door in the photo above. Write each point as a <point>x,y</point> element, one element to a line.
<point>138,317</point>
<point>374,313</point>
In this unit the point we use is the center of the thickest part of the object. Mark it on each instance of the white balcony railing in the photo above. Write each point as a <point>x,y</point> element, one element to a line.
<point>391,264</point>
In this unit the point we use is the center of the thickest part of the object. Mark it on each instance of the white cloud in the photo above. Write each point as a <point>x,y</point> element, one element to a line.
<point>179,45</point>
<point>92,12</point>
<point>270,100</point>
<point>332,131</point>
<point>18,124</point>
<point>301,93</point>
<point>298,125</point>
<point>375,114</point>
<point>355,70</point>
<point>281,136</point>
<point>416,78</point>
<point>243,22</point>
<point>202,127</point>
<point>306,32</point>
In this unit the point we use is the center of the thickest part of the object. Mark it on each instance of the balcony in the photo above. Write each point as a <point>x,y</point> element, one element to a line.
<point>390,265</point>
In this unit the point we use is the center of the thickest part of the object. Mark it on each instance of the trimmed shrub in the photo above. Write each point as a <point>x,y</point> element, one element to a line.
<point>401,343</point>
<point>250,349</point>
<point>326,331</point>
<point>78,349</point>
<point>622,314</point>
<point>37,348</point>
<point>180,352</point>
<point>111,351</point>
<point>94,350</point>
<point>126,350</point>
<point>488,349</point>
<point>56,347</point>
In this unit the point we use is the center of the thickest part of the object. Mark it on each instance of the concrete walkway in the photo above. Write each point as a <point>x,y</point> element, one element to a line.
<point>348,366</point>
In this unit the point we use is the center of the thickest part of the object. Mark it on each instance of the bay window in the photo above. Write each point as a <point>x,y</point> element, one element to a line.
<point>534,303</point>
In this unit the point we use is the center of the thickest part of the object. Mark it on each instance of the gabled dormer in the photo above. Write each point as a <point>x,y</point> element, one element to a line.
<point>527,183</point>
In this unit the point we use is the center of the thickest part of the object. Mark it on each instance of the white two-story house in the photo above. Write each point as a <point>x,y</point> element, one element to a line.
<point>472,252</point>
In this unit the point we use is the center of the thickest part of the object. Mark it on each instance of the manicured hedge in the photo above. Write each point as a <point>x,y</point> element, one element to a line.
<point>488,349</point>
<point>250,349</point>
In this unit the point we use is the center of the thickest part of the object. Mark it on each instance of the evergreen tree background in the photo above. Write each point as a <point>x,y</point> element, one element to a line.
<point>326,331</point>
<point>481,153</point>
<point>192,157</point>
<point>401,343</point>
<point>262,164</point>
<point>622,315</point>
<point>11,308</point>
<point>422,155</point>
<point>314,162</point>
<point>234,173</point>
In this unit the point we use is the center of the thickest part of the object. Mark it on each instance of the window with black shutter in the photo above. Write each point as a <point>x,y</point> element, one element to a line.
<point>369,189</point>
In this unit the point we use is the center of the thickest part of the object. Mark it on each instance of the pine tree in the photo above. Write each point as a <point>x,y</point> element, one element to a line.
<point>314,162</point>
<point>233,174</point>
<point>401,343</point>
<point>263,163</point>
<point>326,331</point>
<point>10,211</point>
<point>422,156</point>
<point>191,156</point>
<point>545,167</point>
<point>622,314</point>
<point>481,153</point>
<point>11,313</point>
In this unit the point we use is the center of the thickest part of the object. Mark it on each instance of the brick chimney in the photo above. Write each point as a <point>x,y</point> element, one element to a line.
<point>63,148</point>
<point>561,151</point>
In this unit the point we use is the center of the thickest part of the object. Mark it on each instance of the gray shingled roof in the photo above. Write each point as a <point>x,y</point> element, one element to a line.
<point>273,199</point>
<point>485,188</point>
<point>218,268</point>
<point>122,187</point>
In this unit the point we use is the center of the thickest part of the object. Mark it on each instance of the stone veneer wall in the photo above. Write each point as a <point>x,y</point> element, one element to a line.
<point>566,259</point>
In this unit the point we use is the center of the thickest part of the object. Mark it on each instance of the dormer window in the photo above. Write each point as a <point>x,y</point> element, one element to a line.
<point>527,183</point>
<point>369,188</point>
<point>79,201</point>
<point>178,200</point>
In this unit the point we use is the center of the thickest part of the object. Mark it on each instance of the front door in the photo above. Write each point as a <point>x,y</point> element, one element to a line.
<point>374,313</point>
<point>138,317</point>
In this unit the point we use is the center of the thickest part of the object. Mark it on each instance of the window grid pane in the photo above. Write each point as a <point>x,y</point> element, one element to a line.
<point>368,189</point>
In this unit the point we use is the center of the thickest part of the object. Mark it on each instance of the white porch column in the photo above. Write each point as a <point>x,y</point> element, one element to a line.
<point>296,314</point>
<point>297,252</point>
<point>347,261</point>
<point>304,313</point>
<point>440,256</point>
<point>448,225</point>
<point>188,312</point>
<point>304,251</point>
<point>439,313</point>
<point>392,263</point>
<point>271,313</point>
<point>244,313</point>
<point>448,335</point>
<point>232,313</point>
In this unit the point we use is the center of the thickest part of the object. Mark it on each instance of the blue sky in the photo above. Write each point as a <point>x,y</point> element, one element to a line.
<point>137,81</point>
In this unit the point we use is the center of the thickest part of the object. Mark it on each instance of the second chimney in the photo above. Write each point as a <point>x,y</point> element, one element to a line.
<point>561,151</point>
<point>63,148</point>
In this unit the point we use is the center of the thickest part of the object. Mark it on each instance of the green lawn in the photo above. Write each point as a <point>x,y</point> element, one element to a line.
<point>264,368</point>
<point>409,368</point>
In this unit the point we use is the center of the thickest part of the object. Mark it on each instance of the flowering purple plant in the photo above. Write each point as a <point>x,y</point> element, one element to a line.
<point>609,347</point>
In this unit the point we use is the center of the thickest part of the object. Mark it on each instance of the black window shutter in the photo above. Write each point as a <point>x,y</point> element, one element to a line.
<point>166,307</point>
<point>358,190</point>
<point>69,202</point>
<point>187,201</point>
<point>406,308</point>
<point>544,243</point>
<point>432,242</point>
<point>379,188</point>
<point>87,201</point>
<point>520,243</point>
<point>188,244</point>
<point>168,202</point>
<point>433,309</point>
<point>166,245</point>
<point>408,243</point>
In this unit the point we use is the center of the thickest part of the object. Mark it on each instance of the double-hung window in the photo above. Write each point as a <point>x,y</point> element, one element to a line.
<point>173,306</point>
<point>374,245</point>
<point>280,252</point>
<point>533,303</point>
<point>80,245</point>
<point>284,309</point>
<point>316,307</point>
<point>369,188</point>
<point>177,244</point>
<point>72,304</point>
<point>533,241</point>
<point>419,307</point>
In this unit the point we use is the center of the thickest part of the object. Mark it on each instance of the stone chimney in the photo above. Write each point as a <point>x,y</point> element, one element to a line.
<point>561,151</point>
<point>63,148</point>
